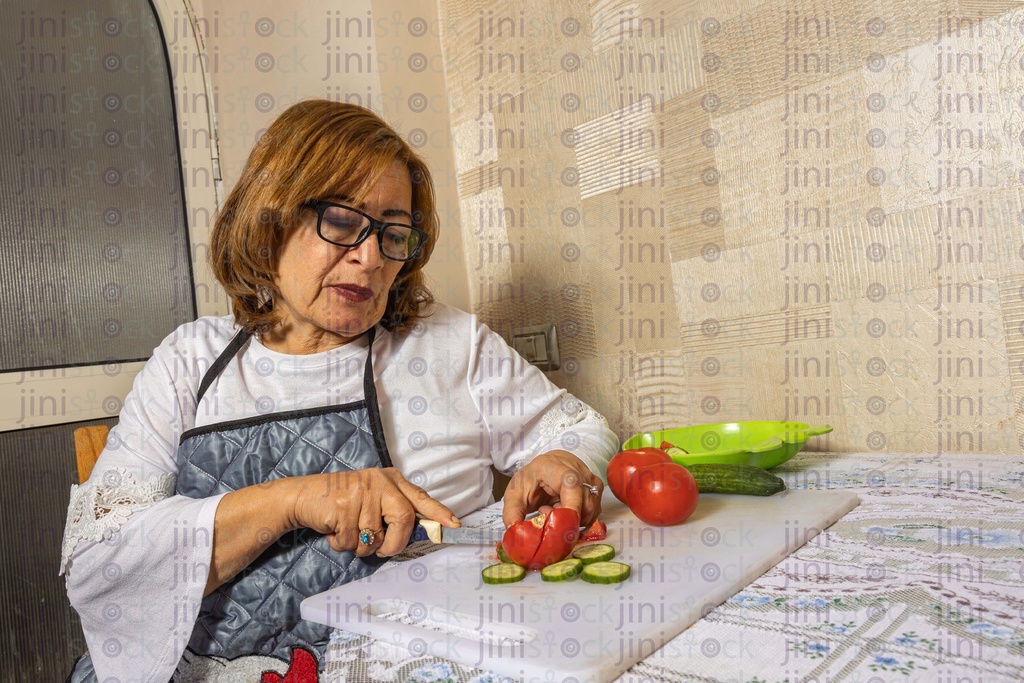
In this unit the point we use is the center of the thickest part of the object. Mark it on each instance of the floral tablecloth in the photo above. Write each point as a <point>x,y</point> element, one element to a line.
<point>924,581</point>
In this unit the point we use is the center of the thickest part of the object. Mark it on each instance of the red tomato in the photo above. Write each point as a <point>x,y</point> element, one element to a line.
<point>625,463</point>
<point>522,539</point>
<point>561,531</point>
<point>662,494</point>
<point>542,540</point>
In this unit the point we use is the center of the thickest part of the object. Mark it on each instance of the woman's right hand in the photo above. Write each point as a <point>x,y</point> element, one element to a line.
<point>340,504</point>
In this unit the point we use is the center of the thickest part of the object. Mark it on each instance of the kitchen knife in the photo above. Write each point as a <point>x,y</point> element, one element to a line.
<point>428,529</point>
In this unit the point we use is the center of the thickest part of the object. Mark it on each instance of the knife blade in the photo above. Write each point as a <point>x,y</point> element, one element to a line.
<point>428,529</point>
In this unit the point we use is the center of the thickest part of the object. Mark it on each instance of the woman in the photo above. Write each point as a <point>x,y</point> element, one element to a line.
<point>270,455</point>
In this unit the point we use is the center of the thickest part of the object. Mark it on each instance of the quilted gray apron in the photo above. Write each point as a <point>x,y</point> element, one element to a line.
<point>257,611</point>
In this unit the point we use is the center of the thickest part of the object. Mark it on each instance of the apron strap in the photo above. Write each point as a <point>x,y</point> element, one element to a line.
<point>369,390</point>
<point>370,396</point>
<point>222,361</point>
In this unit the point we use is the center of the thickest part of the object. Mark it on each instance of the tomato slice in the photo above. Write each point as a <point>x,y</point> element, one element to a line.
<point>597,531</point>
<point>665,445</point>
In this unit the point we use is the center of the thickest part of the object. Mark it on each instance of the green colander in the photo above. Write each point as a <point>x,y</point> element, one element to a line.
<point>764,444</point>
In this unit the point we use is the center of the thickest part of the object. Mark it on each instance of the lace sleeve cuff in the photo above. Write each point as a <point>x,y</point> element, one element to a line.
<point>555,424</point>
<point>572,411</point>
<point>102,505</point>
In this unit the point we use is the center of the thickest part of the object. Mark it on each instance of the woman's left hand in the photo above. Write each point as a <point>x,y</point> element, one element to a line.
<point>556,478</point>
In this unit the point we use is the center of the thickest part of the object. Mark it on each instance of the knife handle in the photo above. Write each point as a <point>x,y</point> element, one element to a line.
<point>418,534</point>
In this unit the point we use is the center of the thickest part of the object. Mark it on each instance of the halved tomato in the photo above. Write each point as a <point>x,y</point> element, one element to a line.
<point>544,539</point>
<point>522,539</point>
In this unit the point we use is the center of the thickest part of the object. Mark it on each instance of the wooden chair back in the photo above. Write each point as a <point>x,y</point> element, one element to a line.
<point>89,443</point>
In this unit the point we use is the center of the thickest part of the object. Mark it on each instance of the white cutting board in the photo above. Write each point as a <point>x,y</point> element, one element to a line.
<point>574,631</point>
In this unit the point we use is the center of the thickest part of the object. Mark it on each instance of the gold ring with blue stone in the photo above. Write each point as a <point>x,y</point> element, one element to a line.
<point>367,536</point>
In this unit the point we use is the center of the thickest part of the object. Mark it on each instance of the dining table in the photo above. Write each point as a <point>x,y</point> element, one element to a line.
<point>923,581</point>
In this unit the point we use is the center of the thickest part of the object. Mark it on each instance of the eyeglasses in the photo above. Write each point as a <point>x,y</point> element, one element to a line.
<point>347,227</point>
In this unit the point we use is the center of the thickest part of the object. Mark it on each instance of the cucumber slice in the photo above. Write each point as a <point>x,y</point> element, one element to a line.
<point>503,556</point>
<point>562,571</point>
<point>598,552</point>
<point>503,573</point>
<point>605,572</point>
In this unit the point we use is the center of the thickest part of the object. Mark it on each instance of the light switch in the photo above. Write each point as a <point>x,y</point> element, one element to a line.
<point>538,345</point>
<point>525,346</point>
<point>532,347</point>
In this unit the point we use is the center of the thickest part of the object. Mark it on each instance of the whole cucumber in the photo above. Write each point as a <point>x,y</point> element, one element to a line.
<point>742,479</point>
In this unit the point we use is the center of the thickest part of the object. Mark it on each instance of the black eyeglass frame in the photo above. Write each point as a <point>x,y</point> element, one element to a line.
<point>375,226</point>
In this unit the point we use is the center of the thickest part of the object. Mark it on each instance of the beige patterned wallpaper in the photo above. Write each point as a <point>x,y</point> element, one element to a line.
<point>261,56</point>
<point>745,209</point>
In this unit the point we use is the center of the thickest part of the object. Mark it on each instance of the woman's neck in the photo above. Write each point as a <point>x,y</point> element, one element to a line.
<point>290,340</point>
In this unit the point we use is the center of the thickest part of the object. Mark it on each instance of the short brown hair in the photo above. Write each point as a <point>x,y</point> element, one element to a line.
<point>313,150</point>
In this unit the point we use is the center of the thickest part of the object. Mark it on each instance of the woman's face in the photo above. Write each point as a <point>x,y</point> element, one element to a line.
<point>329,295</point>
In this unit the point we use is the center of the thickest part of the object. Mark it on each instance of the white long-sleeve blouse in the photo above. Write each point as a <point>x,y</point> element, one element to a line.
<point>454,400</point>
